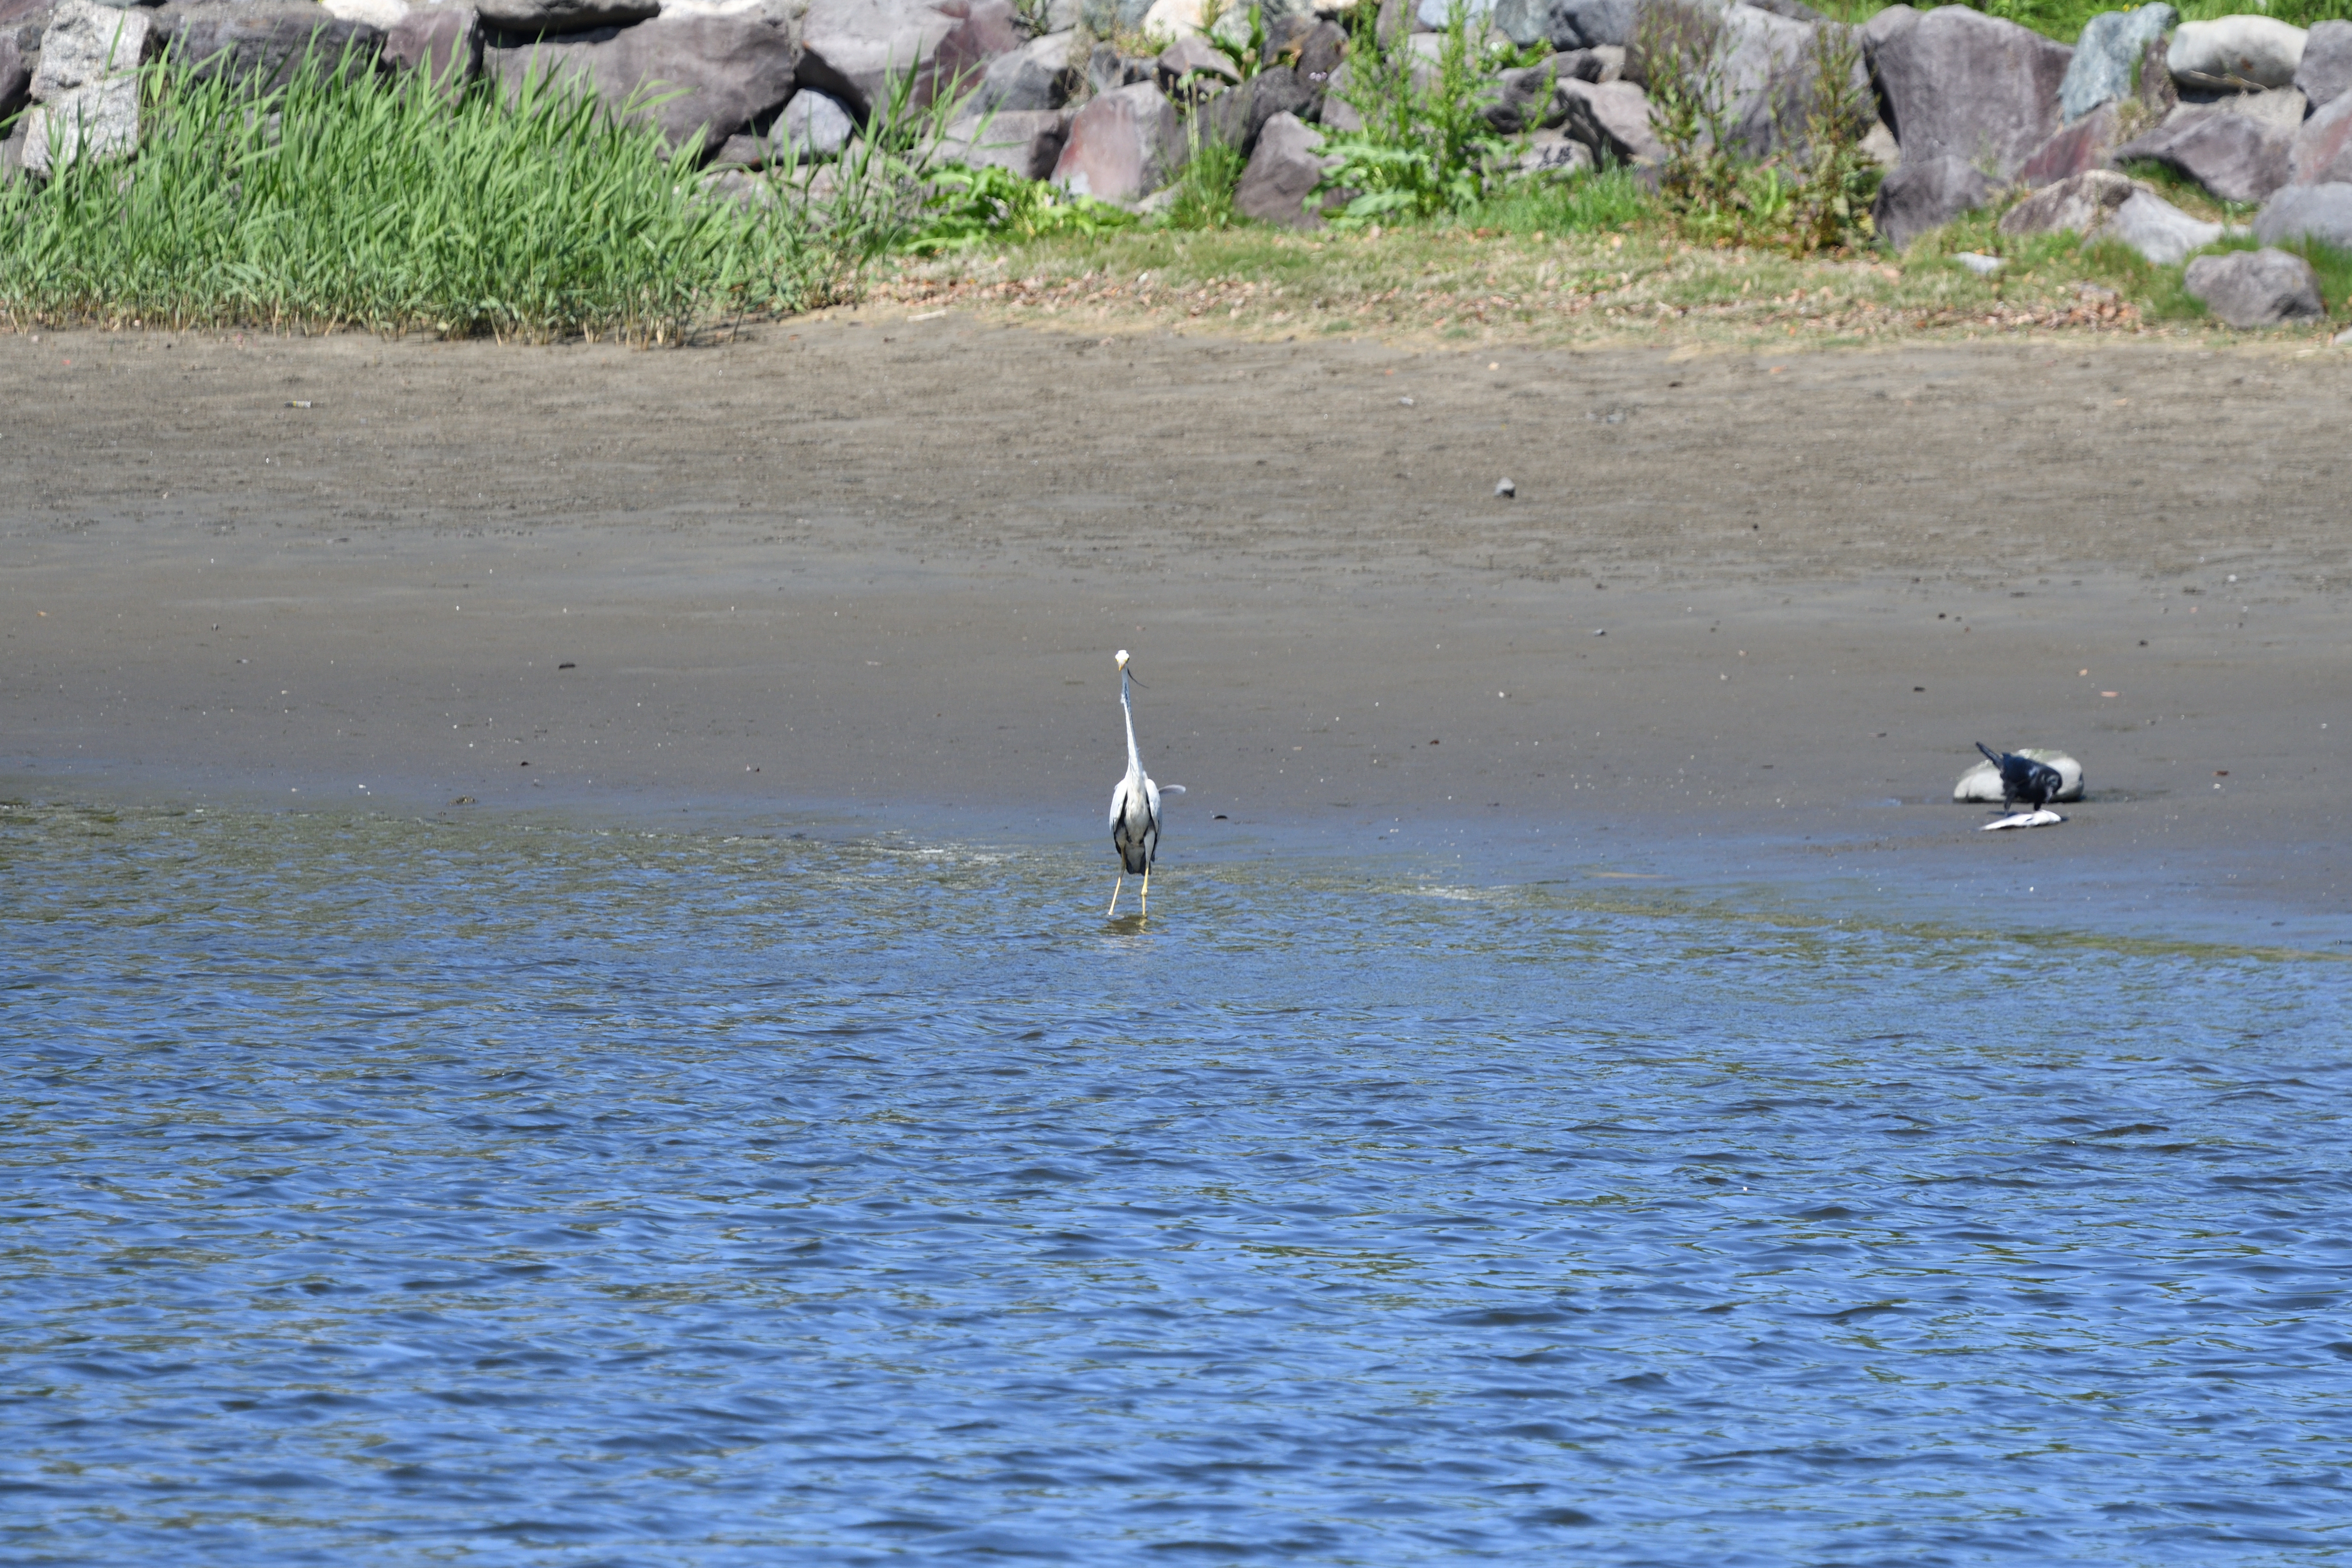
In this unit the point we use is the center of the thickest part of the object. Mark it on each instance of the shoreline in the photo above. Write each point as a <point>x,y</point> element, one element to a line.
<point>887,568</point>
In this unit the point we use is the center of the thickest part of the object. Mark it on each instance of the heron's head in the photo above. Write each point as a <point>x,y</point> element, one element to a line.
<point>1122,659</point>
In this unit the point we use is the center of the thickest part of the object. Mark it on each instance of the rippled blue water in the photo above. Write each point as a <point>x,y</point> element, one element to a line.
<point>387,1192</point>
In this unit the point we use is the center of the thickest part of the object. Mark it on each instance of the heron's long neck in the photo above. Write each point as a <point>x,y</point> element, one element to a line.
<point>1134,758</point>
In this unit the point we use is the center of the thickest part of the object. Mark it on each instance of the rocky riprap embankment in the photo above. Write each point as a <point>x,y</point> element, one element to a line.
<point>1970,106</point>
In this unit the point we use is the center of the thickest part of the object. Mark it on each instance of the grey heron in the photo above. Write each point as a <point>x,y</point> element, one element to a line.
<point>1134,808</point>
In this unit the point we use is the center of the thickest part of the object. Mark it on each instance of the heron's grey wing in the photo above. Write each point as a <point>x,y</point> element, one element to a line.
<point>1118,803</point>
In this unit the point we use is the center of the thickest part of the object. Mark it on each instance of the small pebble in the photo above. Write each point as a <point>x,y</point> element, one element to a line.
<point>1506,489</point>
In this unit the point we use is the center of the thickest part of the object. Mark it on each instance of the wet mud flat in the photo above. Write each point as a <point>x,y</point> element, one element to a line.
<point>1737,632</point>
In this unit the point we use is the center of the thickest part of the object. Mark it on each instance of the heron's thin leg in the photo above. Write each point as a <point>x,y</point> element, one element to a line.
<point>1147,892</point>
<point>1114,887</point>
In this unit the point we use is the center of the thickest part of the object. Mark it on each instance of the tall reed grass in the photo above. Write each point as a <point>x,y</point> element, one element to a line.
<point>343,198</point>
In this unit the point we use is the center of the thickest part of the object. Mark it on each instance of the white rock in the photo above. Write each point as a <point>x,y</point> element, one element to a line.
<point>2042,818</point>
<point>2235,52</point>
<point>84,44</point>
<point>1174,19</point>
<point>1983,265</point>
<point>814,126</point>
<point>1982,780</point>
<point>382,14</point>
<point>97,122</point>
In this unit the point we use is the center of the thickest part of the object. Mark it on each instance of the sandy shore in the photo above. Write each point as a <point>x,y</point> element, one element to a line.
<point>1737,632</point>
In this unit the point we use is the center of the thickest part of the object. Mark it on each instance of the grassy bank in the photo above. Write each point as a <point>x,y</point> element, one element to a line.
<point>1641,282</point>
<point>348,200</point>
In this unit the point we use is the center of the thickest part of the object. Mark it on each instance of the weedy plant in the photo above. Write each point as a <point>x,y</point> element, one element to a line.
<point>1423,150</point>
<point>1682,53</point>
<point>1205,190</point>
<point>1812,194</point>
<point>1244,44</point>
<point>968,206</point>
<point>887,188</point>
<point>1837,179</point>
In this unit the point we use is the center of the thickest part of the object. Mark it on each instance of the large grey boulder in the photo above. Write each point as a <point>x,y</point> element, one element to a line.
<point>1927,192</point>
<point>1123,146</point>
<point>264,42</point>
<point>445,40</point>
<point>2322,153</point>
<point>2325,73</point>
<point>2162,234</point>
<point>1769,64</point>
<point>85,91</point>
<point>1319,52</point>
<point>1593,24</point>
<point>2081,204</point>
<point>1028,141</point>
<point>854,48</point>
<point>1527,22</point>
<point>2238,156</point>
<point>1580,24</point>
<point>2105,66</point>
<point>1561,23</point>
<point>1959,84</point>
<point>1612,119</point>
<point>1884,25</point>
<point>1192,62</point>
<point>1527,97</point>
<point>538,17</point>
<point>1282,173</point>
<point>1107,69</point>
<point>714,75</point>
<point>1239,117</point>
<point>2234,54</point>
<point>2256,288</point>
<point>2087,143</point>
<point>1477,16</point>
<point>2323,213</point>
<point>1038,75</point>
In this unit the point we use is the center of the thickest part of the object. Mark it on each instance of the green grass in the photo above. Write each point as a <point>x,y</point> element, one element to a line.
<point>1609,199</point>
<point>2159,293</point>
<point>1204,191</point>
<point>344,200</point>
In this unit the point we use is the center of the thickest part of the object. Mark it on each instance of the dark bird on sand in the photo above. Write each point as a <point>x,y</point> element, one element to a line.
<point>2024,779</point>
